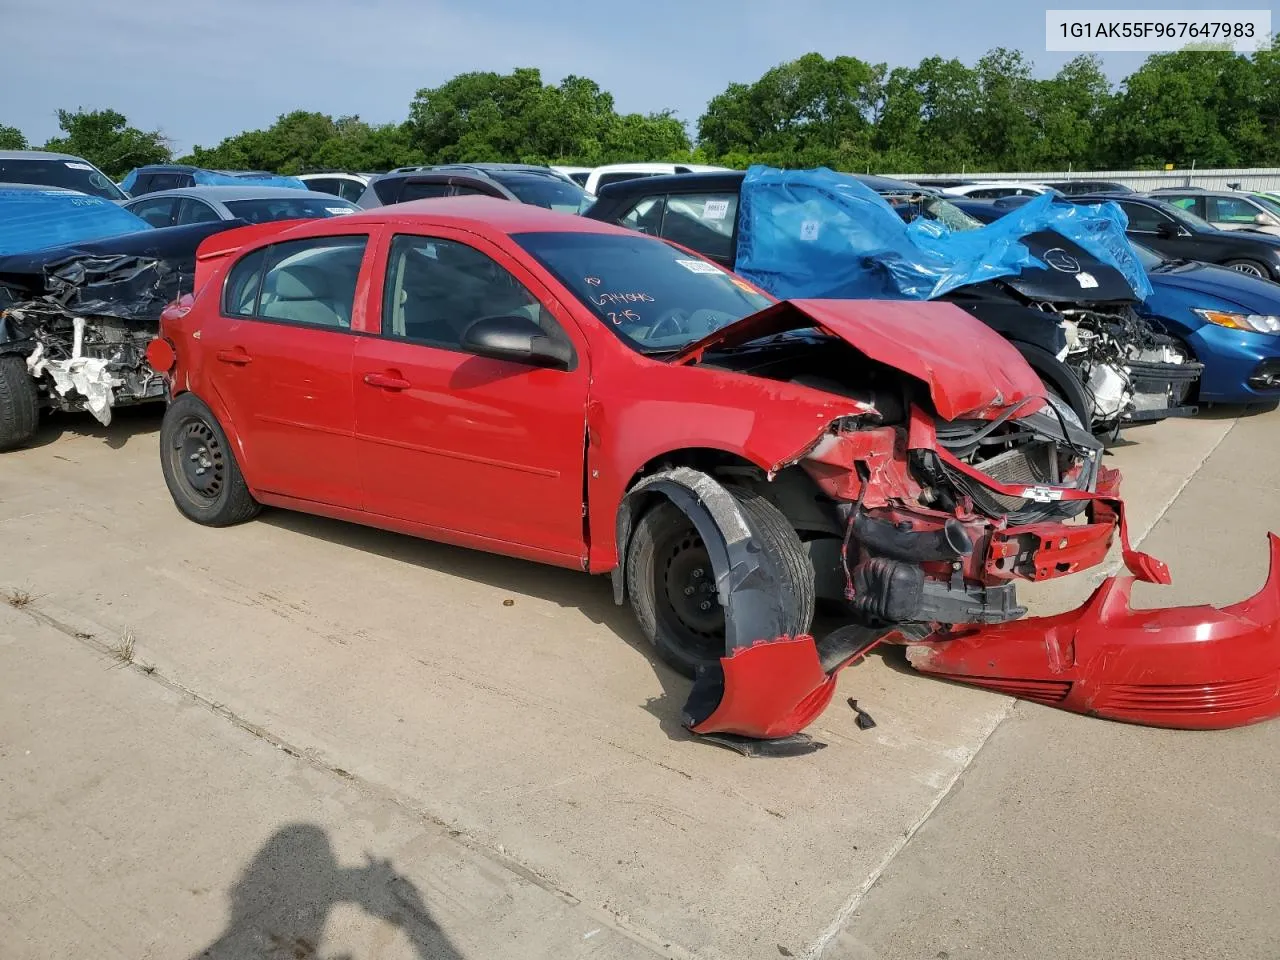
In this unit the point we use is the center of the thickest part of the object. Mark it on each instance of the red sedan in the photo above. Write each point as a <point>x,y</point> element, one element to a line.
<point>506,378</point>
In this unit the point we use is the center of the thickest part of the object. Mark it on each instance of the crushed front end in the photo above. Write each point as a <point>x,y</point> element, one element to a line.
<point>83,329</point>
<point>936,539</point>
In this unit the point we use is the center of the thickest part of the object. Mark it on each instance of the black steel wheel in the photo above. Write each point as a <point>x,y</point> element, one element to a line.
<point>200,468</point>
<point>671,580</point>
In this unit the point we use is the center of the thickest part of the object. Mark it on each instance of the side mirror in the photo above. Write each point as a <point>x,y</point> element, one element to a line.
<point>1263,220</point>
<point>517,339</point>
<point>1167,229</point>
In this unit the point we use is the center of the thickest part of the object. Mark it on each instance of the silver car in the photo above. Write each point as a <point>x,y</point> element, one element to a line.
<point>1225,209</point>
<point>171,208</point>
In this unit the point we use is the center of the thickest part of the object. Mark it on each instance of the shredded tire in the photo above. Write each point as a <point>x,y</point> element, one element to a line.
<point>676,644</point>
<point>189,427</point>
<point>19,403</point>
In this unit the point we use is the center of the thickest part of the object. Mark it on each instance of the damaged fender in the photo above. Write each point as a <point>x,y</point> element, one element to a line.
<point>1190,668</point>
<point>782,686</point>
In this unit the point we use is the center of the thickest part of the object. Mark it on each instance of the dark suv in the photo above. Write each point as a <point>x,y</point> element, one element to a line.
<point>540,186</point>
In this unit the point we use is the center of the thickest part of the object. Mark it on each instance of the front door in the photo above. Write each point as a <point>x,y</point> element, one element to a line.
<point>487,448</point>
<point>279,356</point>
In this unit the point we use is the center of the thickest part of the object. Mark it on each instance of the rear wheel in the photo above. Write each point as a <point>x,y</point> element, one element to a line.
<point>19,403</point>
<point>672,583</point>
<point>199,467</point>
<point>1250,267</point>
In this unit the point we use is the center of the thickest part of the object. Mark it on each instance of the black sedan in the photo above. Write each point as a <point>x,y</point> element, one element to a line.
<point>1180,235</point>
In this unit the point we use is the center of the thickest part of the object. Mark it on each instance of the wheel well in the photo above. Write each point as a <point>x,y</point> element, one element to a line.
<point>809,511</point>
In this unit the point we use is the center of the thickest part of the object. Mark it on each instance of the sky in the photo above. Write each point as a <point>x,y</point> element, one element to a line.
<point>202,71</point>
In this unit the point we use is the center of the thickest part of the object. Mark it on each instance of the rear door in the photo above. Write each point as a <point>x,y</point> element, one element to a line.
<point>279,355</point>
<point>1153,227</point>
<point>486,448</point>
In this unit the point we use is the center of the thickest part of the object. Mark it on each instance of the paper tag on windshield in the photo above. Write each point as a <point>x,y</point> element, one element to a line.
<point>715,209</point>
<point>698,266</point>
<point>338,211</point>
<point>809,230</point>
<point>1086,280</point>
<point>77,165</point>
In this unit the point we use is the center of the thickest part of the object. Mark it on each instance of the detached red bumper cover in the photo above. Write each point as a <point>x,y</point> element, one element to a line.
<point>1183,667</point>
<point>1197,668</point>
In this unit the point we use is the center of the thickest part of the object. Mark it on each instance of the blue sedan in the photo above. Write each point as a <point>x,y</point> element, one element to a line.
<point>1230,321</point>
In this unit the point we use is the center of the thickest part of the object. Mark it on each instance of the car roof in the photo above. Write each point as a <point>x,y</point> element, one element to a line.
<point>473,213</point>
<point>167,167</point>
<point>1198,192</point>
<point>221,194</point>
<point>732,180</point>
<point>38,155</point>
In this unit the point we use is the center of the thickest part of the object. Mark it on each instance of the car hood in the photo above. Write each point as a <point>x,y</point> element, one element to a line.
<point>971,371</point>
<point>1072,273</point>
<point>1252,293</point>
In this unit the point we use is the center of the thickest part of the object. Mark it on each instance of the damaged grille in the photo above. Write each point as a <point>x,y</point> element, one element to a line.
<point>1029,464</point>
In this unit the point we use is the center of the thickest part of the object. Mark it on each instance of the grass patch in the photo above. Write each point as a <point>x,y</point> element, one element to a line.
<point>123,648</point>
<point>18,598</point>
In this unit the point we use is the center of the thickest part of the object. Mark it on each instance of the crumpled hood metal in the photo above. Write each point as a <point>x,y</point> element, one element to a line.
<point>970,370</point>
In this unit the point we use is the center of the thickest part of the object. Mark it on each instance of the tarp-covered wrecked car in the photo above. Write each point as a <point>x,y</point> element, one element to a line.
<point>529,383</point>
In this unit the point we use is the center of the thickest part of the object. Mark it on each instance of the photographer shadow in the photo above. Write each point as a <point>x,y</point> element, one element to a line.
<point>282,900</point>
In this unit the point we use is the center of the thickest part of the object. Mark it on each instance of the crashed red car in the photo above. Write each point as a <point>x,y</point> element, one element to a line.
<point>535,384</point>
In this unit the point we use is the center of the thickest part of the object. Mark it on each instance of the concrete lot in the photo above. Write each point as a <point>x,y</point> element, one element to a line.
<point>303,695</point>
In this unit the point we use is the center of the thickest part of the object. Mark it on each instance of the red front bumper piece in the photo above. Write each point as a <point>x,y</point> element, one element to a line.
<point>1195,668</point>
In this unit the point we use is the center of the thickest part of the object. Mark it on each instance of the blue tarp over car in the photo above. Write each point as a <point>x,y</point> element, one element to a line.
<point>822,234</point>
<point>35,218</point>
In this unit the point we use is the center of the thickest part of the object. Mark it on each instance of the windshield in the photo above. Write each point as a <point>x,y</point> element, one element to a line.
<point>33,219</point>
<point>1271,203</point>
<point>656,298</point>
<point>554,193</point>
<point>70,174</point>
<point>1149,259</point>
<point>911,206</point>
<point>289,208</point>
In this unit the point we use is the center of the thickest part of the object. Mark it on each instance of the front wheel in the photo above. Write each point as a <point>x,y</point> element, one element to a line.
<point>199,467</point>
<point>19,403</point>
<point>1249,267</point>
<point>672,584</point>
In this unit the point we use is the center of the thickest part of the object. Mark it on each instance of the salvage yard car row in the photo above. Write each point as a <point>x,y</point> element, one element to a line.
<point>886,410</point>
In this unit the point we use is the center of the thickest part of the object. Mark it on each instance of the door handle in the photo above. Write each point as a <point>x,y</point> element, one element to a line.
<point>237,356</point>
<point>386,381</point>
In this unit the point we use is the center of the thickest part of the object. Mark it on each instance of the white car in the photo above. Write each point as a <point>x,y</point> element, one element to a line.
<point>995,189</point>
<point>615,172</point>
<point>348,186</point>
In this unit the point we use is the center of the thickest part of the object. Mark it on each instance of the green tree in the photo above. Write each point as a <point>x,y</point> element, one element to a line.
<point>303,140</point>
<point>1069,111</point>
<point>11,138</point>
<point>105,139</point>
<point>813,110</point>
<point>516,117</point>
<point>928,118</point>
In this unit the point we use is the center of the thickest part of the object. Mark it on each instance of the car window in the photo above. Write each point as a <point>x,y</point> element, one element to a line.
<point>1234,210</point>
<point>435,289</point>
<point>702,222</point>
<point>324,185</point>
<point>240,295</point>
<point>462,190</point>
<point>197,211</point>
<point>645,216</point>
<point>169,181</point>
<point>301,207</point>
<point>417,190</point>
<point>540,190</point>
<point>350,190</point>
<point>651,295</point>
<point>990,193</point>
<point>309,282</point>
<point>160,212</point>
<point>72,174</point>
<point>1143,219</point>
